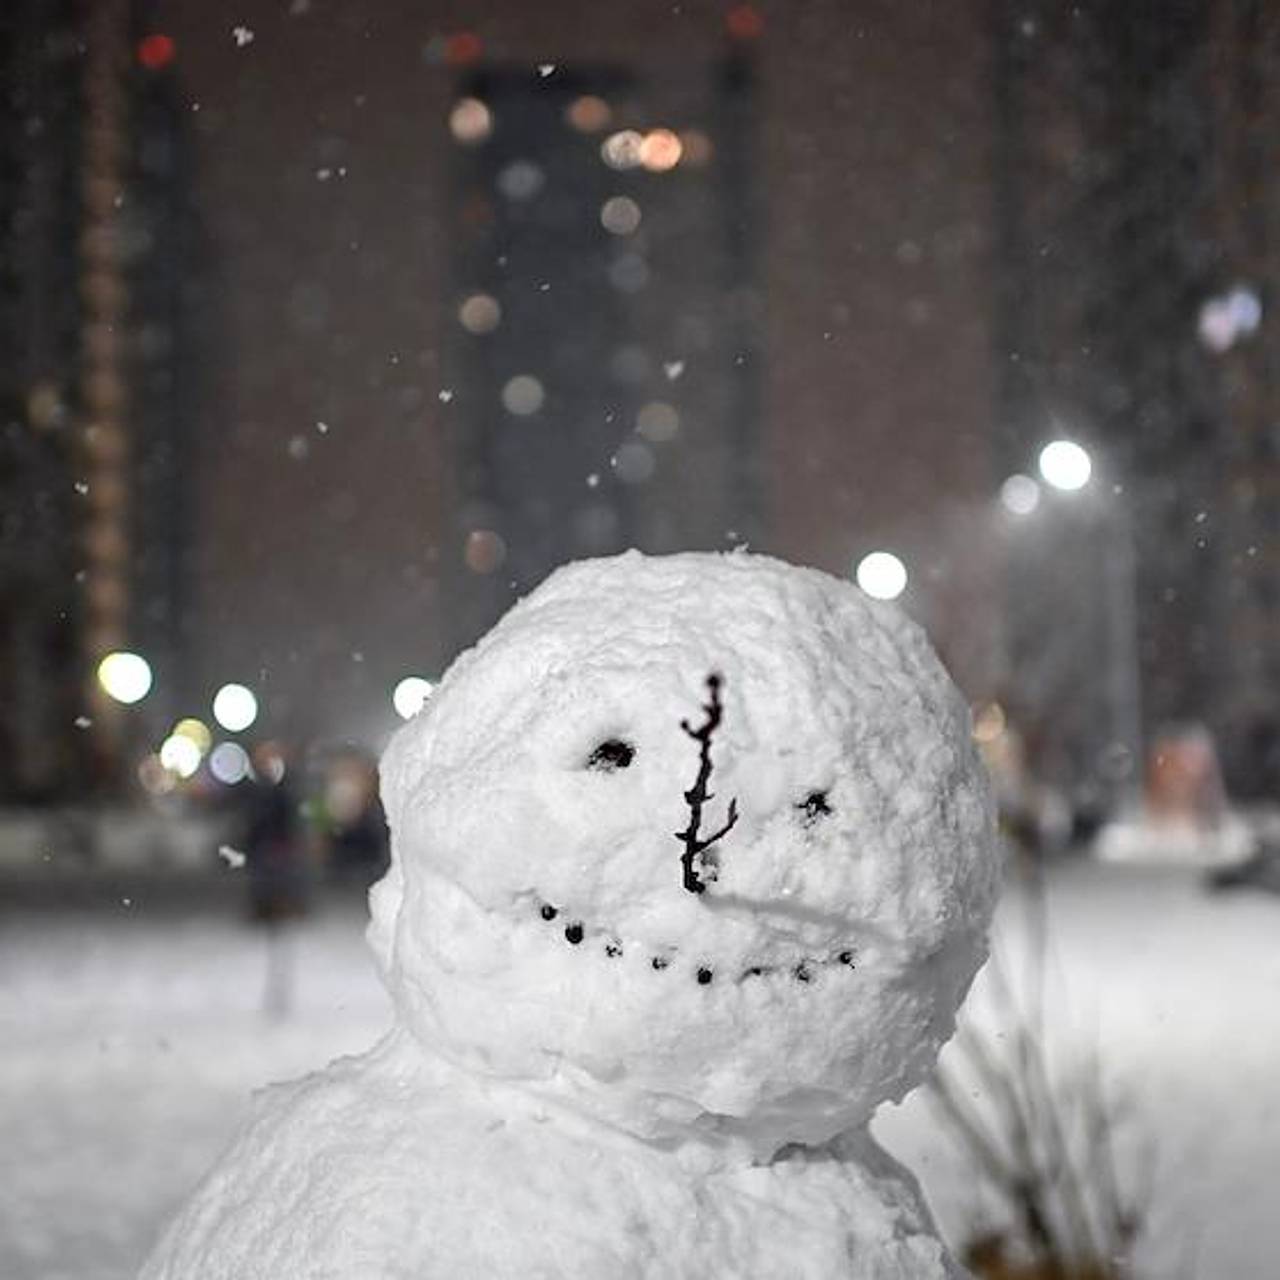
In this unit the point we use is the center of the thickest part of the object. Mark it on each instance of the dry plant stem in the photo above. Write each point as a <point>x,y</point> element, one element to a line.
<point>1066,1196</point>
<point>1043,1114</point>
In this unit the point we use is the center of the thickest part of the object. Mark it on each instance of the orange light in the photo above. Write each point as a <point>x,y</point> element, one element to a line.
<point>588,114</point>
<point>461,48</point>
<point>744,22</point>
<point>155,51</point>
<point>660,150</point>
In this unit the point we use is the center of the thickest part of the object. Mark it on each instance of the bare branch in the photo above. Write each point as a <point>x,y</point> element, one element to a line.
<point>698,863</point>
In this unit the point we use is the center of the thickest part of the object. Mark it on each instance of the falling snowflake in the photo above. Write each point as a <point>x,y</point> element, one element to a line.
<point>546,68</point>
<point>242,36</point>
<point>673,369</point>
<point>445,395</point>
<point>232,857</point>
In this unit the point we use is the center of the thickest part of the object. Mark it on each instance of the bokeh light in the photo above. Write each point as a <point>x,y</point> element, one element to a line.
<point>1065,465</point>
<point>462,48</point>
<point>658,421</point>
<point>229,763</point>
<point>622,150</point>
<point>989,722</point>
<point>180,755</point>
<point>410,696</point>
<point>634,463</point>
<point>235,707</point>
<point>521,180</point>
<point>155,51</point>
<point>744,22</point>
<point>620,215</point>
<point>480,313</point>
<point>882,575</point>
<point>470,121</point>
<point>1020,495</point>
<point>588,114</point>
<point>484,551</point>
<point>660,150</point>
<point>523,395</point>
<point>125,676</point>
<point>1225,320</point>
<point>155,778</point>
<point>197,731</point>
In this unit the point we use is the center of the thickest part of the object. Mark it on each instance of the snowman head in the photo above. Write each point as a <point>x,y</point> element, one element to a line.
<point>700,842</point>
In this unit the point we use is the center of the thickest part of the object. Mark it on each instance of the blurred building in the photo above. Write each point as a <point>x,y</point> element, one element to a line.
<point>103,273</point>
<point>40,129</point>
<point>809,371</point>
<point>1239,323</point>
<point>800,313</point>
<point>1132,211</point>
<point>605,323</point>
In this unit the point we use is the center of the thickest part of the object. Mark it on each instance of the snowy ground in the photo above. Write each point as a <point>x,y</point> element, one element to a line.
<point>131,1034</point>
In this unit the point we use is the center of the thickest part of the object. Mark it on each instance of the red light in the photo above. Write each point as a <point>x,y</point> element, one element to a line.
<point>155,51</point>
<point>462,48</point>
<point>744,22</point>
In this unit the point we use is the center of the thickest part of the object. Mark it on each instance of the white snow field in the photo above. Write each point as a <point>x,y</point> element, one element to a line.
<point>131,1038</point>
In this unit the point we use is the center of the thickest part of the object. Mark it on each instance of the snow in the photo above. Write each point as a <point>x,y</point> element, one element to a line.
<point>1175,990</point>
<point>693,860</point>
<point>818,972</point>
<point>637,1038</point>
<point>133,1040</point>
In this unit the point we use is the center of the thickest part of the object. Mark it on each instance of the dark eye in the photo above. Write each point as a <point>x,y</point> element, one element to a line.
<point>814,806</point>
<point>610,755</point>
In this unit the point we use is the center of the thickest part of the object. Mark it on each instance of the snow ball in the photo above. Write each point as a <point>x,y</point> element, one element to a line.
<point>537,922</point>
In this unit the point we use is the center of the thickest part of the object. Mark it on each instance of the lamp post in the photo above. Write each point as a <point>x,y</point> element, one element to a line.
<point>1067,468</point>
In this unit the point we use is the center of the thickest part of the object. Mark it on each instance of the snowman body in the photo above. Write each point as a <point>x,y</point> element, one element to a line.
<point>692,866</point>
<point>388,1167</point>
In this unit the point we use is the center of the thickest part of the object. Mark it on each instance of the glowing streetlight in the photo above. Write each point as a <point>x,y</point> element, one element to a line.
<point>410,695</point>
<point>234,707</point>
<point>125,676</point>
<point>1065,465</point>
<point>882,575</point>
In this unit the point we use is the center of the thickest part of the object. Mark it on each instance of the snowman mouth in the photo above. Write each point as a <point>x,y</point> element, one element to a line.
<point>806,969</point>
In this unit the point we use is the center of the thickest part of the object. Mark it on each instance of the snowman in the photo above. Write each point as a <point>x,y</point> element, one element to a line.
<point>693,863</point>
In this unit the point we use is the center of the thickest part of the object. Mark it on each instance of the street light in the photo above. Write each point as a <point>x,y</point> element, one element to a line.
<point>882,575</point>
<point>410,695</point>
<point>1065,465</point>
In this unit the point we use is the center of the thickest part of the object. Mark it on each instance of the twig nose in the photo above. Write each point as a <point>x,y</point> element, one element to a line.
<point>698,863</point>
